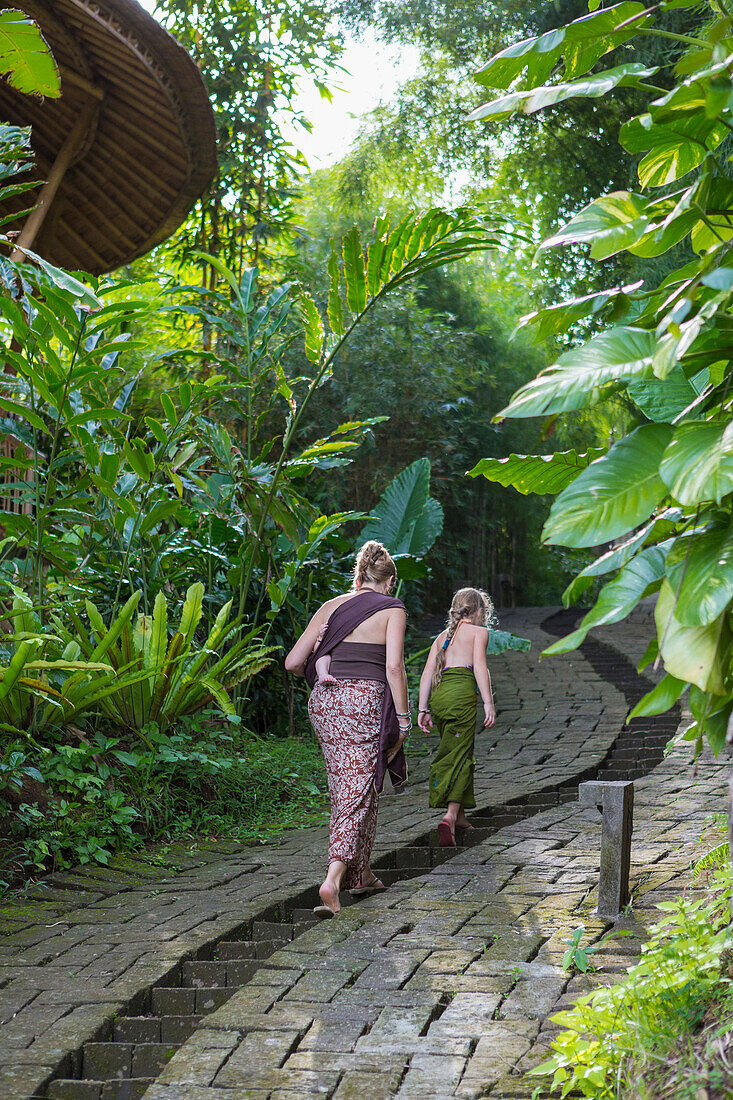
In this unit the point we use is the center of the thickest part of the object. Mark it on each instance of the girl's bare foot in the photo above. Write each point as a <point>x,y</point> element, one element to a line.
<point>462,822</point>
<point>447,833</point>
<point>329,895</point>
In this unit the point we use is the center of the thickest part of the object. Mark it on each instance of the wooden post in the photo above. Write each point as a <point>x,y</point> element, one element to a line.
<point>59,168</point>
<point>616,803</point>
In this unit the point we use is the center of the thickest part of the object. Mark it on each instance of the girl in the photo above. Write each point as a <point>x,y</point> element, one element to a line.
<point>455,670</point>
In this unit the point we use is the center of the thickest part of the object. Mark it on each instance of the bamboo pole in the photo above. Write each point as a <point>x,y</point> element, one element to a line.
<point>50,188</point>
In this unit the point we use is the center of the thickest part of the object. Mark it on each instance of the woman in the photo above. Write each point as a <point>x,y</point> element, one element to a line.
<point>359,710</point>
<point>454,672</point>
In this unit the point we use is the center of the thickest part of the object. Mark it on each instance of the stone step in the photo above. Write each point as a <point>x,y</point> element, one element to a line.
<point>150,1059</point>
<point>128,1088</point>
<point>271,930</point>
<point>137,1029</point>
<point>176,1029</point>
<point>203,973</point>
<point>234,949</point>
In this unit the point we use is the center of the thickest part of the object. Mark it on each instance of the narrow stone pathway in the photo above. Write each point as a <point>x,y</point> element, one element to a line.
<point>423,984</point>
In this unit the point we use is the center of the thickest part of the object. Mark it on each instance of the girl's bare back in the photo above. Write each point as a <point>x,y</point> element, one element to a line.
<point>461,651</point>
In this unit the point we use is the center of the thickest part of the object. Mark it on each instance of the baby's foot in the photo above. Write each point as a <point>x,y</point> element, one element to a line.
<point>327,678</point>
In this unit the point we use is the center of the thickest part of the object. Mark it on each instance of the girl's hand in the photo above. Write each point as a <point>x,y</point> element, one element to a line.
<point>489,715</point>
<point>425,721</point>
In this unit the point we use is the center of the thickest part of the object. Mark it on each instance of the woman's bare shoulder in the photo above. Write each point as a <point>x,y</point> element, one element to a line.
<point>330,605</point>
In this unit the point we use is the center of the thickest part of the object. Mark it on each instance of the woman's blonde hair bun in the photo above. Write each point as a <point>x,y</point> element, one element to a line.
<point>374,564</point>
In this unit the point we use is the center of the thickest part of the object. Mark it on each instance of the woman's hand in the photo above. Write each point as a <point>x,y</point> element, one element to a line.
<point>400,742</point>
<point>489,714</point>
<point>425,721</point>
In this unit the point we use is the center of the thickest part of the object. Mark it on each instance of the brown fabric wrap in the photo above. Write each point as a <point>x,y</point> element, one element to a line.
<point>342,622</point>
<point>359,661</point>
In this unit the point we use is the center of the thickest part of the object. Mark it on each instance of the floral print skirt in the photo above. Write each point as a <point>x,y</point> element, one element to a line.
<point>346,719</point>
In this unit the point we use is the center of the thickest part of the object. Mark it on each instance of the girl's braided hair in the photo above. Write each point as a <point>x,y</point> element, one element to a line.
<point>466,602</point>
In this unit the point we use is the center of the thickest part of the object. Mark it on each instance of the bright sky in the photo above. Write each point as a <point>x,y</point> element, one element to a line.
<point>374,71</point>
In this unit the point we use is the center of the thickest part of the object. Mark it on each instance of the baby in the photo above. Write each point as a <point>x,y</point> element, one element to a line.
<point>323,664</point>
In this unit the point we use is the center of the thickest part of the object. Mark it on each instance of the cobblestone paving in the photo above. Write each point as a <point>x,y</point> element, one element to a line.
<point>437,988</point>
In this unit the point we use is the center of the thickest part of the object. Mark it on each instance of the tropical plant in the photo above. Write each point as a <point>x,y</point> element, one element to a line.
<point>44,684</point>
<point>663,494</point>
<point>158,680</point>
<point>25,58</point>
<point>407,520</point>
<point>632,1034</point>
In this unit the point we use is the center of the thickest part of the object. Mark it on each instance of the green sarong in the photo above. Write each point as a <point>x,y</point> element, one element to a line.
<point>453,705</point>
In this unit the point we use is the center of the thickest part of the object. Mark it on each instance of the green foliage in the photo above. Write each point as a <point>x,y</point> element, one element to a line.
<point>25,59</point>
<point>407,519</point>
<point>666,488</point>
<point>577,957</point>
<point>535,473</point>
<point>634,1031</point>
<point>500,641</point>
<point>157,680</point>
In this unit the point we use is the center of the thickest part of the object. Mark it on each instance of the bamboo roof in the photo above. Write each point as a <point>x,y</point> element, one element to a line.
<point>135,111</point>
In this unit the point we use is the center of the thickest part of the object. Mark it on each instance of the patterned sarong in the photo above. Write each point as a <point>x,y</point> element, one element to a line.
<point>346,718</point>
<point>453,705</point>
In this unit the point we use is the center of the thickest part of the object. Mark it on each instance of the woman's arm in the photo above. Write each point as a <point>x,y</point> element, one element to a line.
<point>301,651</point>
<point>481,672</point>
<point>424,720</point>
<point>395,668</point>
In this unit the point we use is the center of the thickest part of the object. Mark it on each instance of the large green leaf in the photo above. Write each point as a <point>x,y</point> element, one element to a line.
<point>536,99</point>
<point>536,473</point>
<point>619,597</point>
<point>664,399</point>
<point>660,698</point>
<point>698,463</point>
<point>501,641</point>
<point>700,572</point>
<point>583,41</point>
<point>25,57</point>
<point>582,376</point>
<point>690,653</point>
<point>614,494</point>
<point>407,519</point>
<point>553,320</point>
<point>609,224</point>
<point>675,147</point>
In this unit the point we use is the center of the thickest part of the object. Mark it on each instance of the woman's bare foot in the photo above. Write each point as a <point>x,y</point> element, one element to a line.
<point>329,895</point>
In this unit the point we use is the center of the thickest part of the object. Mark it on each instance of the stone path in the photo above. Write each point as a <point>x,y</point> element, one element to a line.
<point>436,988</point>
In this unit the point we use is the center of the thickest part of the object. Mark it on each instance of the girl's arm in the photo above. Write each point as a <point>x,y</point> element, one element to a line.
<point>481,672</point>
<point>424,719</point>
<point>395,667</point>
<point>301,651</point>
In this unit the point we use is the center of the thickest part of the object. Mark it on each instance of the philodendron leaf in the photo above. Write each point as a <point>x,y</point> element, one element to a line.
<point>690,653</point>
<point>583,41</point>
<point>553,320</point>
<point>619,597</point>
<point>582,376</point>
<point>536,473</point>
<point>25,56</point>
<point>659,699</point>
<point>407,519</point>
<point>698,463</point>
<point>614,494</point>
<point>664,399</point>
<point>500,641</point>
<point>700,572</point>
<point>536,99</point>
<point>609,224</point>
